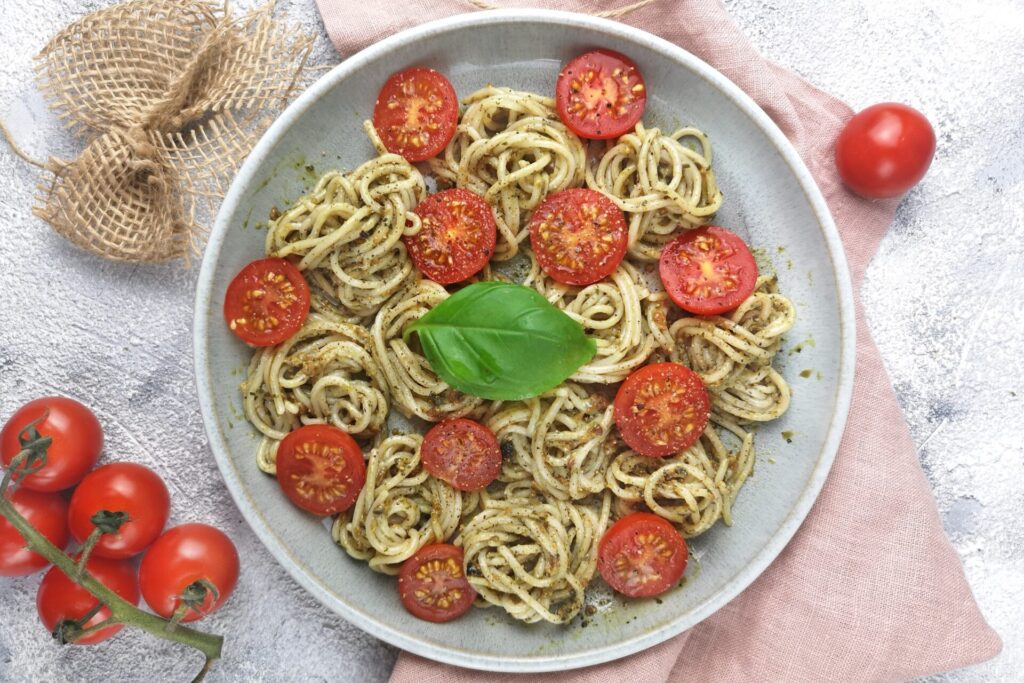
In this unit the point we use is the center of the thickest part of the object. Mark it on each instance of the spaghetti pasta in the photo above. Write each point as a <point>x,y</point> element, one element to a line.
<point>662,182</point>
<point>556,440</point>
<point>400,509</point>
<point>733,353</point>
<point>511,148</point>
<point>347,232</point>
<point>533,556</point>
<point>322,374</point>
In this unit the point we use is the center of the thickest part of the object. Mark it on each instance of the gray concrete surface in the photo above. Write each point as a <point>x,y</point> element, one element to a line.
<point>943,298</point>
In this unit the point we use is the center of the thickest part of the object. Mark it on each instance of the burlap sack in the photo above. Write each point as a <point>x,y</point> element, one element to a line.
<point>171,95</point>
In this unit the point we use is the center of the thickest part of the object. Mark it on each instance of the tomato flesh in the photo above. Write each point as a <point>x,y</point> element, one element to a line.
<point>76,441</point>
<point>433,585</point>
<point>600,95</point>
<point>416,113</point>
<point>662,409</point>
<point>578,236</point>
<point>60,599</point>
<point>121,487</point>
<point>48,513</point>
<point>267,302</point>
<point>885,150</point>
<point>708,270</point>
<point>182,556</point>
<point>462,452</point>
<point>642,555</point>
<point>320,468</point>
<point>456,237</point>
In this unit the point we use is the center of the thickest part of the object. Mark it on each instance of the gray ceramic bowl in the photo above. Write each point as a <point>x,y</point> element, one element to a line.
<point>770,199</point>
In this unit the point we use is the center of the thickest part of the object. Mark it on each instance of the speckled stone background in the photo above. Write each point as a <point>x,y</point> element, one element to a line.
<point>943,300</point>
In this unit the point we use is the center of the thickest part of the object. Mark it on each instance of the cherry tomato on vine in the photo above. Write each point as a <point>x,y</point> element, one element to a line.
<point>267,302</point>
<point>416,113</point>
<point>321,469</point>
<point>662,409</point>
<point>48,513</point>
<point>462,452</point>
<point>120,487</point>
<point>641,555</point>
<point>708,270</point>
<point>180,563</point>
<point>600,95</point>
<point>456,238</point>
<point>885,150</point>
<point>433,585</point>
<point>77,440</point>
<point>60,599</point>
<point>578,236</point>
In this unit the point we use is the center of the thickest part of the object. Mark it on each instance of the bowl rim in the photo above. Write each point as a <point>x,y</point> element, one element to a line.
<point>373,624</point>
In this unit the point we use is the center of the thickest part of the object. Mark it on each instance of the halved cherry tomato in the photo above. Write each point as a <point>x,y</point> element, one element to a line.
<point>181,562</point>
<point>600,95</point>
<point>708,270</point>
<point>320,468</point>
<point>578,236</point>
<point>77,440</point>
<point>416,113</point>
<point>456,238</point>
<point>267,302</point>
<point>885,150</point>
<point>433,585</point>
<point>48,513</point>
<point>60,599</point>
<point>642,555</point>
<point>662,409</point>
<point>463,452</point>
<point>124,487</point>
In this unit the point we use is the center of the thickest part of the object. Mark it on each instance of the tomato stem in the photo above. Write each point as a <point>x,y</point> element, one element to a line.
<point>86,550</point>
<point>121,611</point>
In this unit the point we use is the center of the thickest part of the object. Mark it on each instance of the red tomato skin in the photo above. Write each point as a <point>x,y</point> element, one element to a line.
<point>622,537</point>
<point>59,598</point>
<point>77,441</point>
<point>121,487</point>
<point>468,254</point>
<point>445,118</point>
<point>695,392</point>
<point>48,513</point>
<point>182,556</point>
<point>574,264</point>
<point>673,276</point>
<point>289,320</point>
<point>408,583</point>
<point>606,61</point>
<point>288,465</point>
<point>885,150</point>
<point>451,435</point>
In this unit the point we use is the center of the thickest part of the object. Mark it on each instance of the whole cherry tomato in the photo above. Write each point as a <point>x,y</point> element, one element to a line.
<point>885,150</point>
<point>60,599</point>
<point>48,513</point>
<point>77,440</point>
<point>120,487</point>
<point>183,556</point>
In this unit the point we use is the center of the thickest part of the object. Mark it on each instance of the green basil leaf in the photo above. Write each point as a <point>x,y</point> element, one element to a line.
<point>501,341</point>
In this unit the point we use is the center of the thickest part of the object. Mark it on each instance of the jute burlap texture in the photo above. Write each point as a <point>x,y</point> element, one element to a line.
<point>171,95</point>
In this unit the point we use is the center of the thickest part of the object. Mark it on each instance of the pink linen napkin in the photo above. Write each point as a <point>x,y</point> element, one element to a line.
<point>869,589</point>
